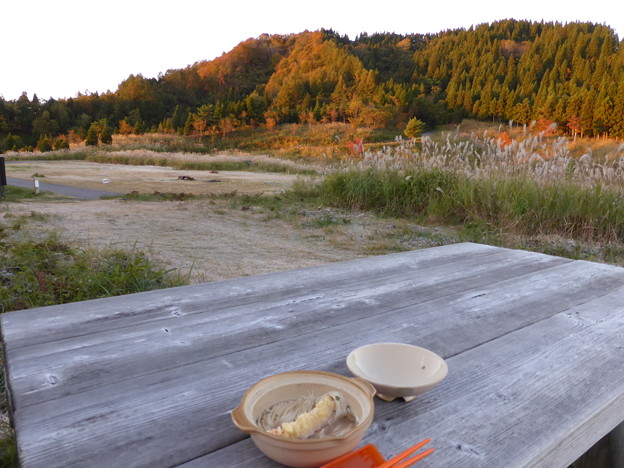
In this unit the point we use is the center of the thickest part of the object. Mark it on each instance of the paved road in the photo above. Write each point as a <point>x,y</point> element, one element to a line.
<point>81,193</point>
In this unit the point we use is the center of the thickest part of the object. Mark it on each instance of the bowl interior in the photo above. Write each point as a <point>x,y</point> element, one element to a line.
<point>397,365</point>
<point>289,385</point>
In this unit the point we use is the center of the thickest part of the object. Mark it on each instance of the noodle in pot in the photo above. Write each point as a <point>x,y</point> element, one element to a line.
<point>308,417</point>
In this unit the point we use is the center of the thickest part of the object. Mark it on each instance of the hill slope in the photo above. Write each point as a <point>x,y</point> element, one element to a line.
<point>572,75</point>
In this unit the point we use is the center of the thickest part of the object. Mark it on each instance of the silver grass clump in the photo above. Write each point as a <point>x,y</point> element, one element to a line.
<point>487,156</point>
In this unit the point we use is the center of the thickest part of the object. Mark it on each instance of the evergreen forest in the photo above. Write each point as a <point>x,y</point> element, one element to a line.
<point>571,75</point>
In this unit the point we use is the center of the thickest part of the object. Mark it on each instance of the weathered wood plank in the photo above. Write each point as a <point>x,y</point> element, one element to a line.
<point>50,370</point>
<point>240,454</point>
<point>33,326</point>
<point>537,397</point>
<point>191,395</point>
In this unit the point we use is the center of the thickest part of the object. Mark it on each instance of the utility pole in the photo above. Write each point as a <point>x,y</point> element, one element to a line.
<point>3,180</point>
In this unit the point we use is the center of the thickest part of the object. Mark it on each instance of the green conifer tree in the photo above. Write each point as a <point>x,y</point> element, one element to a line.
<point>44,144</point>
<point>617,130</point>
<point>92,135</point>
<point>188,126</point>
<point>106,135</point>
<point>61,144</point>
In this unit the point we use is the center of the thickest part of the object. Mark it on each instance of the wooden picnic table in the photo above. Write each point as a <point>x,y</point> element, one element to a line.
<point>534,345</point>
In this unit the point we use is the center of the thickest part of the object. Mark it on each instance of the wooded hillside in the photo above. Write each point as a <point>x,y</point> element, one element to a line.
<point>571,75</point>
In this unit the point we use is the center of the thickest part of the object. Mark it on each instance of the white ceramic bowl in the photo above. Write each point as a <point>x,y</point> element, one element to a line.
<point>397,369</point>
<point>288,385</point>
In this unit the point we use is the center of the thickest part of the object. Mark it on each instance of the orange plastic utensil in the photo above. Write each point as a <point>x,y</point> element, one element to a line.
<point>369,457</point>
<point>399,461</point>
<point>365,457</point>
<point>413,460</point>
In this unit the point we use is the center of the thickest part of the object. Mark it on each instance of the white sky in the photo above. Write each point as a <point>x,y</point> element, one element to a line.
<point>56,48</point>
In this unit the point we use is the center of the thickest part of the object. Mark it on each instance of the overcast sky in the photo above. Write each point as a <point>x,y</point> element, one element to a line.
<point>61,47</point>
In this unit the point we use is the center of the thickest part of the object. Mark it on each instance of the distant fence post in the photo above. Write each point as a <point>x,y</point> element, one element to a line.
<point>3,180</point>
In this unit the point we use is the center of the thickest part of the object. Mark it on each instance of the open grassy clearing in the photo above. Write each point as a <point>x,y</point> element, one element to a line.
<point>236,235</point>
<point>224,237</point>
<point>148,179</point>
<point>494,183</point>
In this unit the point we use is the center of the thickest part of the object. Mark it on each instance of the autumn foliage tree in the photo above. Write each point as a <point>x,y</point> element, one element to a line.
<point>414,128</point>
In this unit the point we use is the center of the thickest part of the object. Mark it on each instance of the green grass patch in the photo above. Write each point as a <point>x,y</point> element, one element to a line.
<point>8,450</point>
<point>16,194</point>
<point>47,272</point>
<point>16,223</point>
<point>391,193</point>
<point>484,206</point>
<point>283,206</point>
<point>162,196</point>
<point>326,220</point>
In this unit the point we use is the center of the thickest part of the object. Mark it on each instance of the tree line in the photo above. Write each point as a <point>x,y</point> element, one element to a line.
<point>571,75</point>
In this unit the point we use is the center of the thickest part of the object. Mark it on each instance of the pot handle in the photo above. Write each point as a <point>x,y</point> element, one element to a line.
<point>240,420</point>
<point>364,385</point>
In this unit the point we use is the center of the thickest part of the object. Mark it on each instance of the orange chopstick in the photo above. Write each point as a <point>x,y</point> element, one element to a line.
<point>393,462</point>
<point>411,461</point>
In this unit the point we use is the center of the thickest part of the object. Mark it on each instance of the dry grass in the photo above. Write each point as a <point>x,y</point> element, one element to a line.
<point>488,154</point>
<point>508,180</point>
<point>182,159</point>
<point>175,159</point>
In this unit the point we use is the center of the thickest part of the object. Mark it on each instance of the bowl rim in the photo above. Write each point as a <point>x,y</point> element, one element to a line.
<point>243,423</point>
<point>357,371</point>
